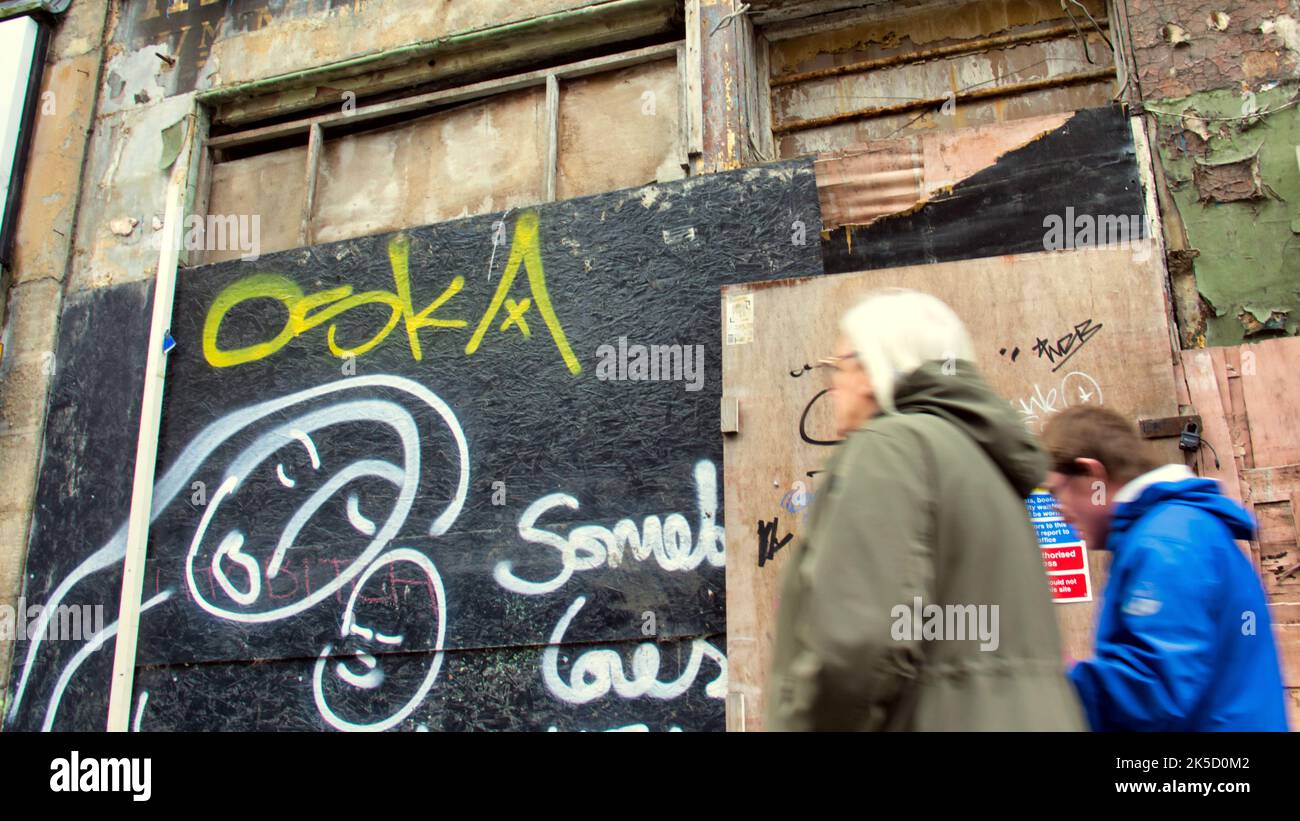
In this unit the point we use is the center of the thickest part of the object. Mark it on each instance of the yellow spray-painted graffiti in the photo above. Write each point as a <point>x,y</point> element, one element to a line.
<point>308,311</point>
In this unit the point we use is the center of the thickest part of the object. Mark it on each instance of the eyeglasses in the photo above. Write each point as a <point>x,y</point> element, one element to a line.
<point>830,364</point>
<point>833,362</point>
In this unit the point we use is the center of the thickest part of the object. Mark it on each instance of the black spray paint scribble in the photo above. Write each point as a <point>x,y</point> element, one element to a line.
<point>1066,346</point>
<point>768,543</point>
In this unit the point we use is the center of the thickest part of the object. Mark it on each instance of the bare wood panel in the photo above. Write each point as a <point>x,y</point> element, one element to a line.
<point>1288,644</point>
<point>619,129</point>
<point>271,187</point>
<point>1270,381</point>
<point>483,157</point>
<point>1279,553</point>
<point>1025,66</point>
<point>1273,484</point>
<point>1008,303</point>
<point>1206,383</point>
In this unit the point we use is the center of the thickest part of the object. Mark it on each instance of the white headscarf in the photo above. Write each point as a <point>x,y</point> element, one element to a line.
<point>896,330</point>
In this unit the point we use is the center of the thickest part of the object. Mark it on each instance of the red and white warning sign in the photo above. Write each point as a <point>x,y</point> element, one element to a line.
<point>1065,555</point>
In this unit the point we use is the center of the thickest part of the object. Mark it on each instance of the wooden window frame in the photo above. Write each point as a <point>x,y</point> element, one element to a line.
<point>316,128</point>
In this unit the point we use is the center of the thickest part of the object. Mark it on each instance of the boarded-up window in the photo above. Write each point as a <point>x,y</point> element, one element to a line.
<point>270,185</point>
<point>590,127</point>
<point>483,157</point>
<point>853,82</point>
<point>615,127</point>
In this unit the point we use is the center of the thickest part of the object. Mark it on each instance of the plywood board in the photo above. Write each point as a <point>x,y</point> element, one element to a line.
<point>1009,304</point>
<point>1209,399</point>
<point>1269,382</point>
<point>482,157</point>
<point>272,187</point>
<point>618,129</point>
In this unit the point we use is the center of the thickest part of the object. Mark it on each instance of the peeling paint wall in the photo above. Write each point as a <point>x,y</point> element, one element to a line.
<point>1236,185</point>
<point>1185,46</point>
<point>1209,72</point>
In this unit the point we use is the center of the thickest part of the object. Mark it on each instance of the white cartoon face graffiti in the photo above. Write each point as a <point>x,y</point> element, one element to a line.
<point>373,633</point>
<point>243,565</point>
<point>401,419</point>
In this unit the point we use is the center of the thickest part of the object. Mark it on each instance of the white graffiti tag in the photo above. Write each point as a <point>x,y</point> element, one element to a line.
<point>1076,388</point>
<point>669,542</point>
<point>595,672</point>
<point>591,546</point>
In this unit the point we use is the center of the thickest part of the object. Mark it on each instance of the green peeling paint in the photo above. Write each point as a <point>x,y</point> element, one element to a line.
<point>1249,250</point>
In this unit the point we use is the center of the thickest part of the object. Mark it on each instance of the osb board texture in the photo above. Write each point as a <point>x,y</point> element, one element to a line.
<point>1028,316</point>
<point>83,493</point>
<point>416,486</point>
<point>617,129</point>
<point>240,40</point>
<point>271,186</point>
<point>1209,58</point>
<point>475,159</point>
<point>1247,240</point>
<point>859,185</point>
<point>1087,165</point>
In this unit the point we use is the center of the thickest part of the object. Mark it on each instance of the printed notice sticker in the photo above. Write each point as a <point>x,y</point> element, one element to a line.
<point>1065,555</point>
<point>740,320</point>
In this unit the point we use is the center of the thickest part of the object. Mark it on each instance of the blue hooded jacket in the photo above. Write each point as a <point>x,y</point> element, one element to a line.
<point>1184,640</point>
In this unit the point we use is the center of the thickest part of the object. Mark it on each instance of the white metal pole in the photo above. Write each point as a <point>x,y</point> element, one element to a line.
<point>146,449</point>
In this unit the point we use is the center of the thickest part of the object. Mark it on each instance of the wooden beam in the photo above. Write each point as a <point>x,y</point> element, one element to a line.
<point>1166,426</point>
<point>315,145</point>
<point>683,136</point>
<point>146,449</point>
<point>724,136</point>
<point>1268,485</point>
<point>762,123</point>
<point>202,194</point>
<point>552,135</point>
<point>694,79</point>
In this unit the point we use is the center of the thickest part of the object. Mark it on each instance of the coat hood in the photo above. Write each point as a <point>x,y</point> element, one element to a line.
<point>1174,484</point>
<point>962,397</point>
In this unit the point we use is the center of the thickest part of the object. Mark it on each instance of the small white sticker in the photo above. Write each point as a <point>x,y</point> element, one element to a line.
<point>740,319</point>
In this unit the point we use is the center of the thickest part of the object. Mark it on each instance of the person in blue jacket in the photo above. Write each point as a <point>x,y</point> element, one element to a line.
<point>1184,639</point>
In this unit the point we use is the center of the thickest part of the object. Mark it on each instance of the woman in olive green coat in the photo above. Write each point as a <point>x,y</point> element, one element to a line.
<point>918,598</point>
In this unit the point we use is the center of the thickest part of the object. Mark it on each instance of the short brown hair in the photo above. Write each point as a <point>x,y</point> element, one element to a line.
<point>1092,432</point>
